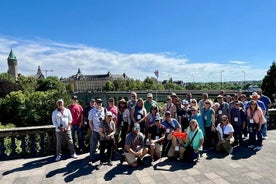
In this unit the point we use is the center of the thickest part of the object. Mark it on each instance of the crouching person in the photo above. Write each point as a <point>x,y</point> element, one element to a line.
<point>135,148</point>
<point>177,145</point>
<point>156,137</point>
<point>225,133</point>
<point>194,142</point>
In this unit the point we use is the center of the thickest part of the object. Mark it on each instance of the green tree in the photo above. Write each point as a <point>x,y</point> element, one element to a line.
<point>108,86</point>
<point>269,82</point>
<point>13,108</point>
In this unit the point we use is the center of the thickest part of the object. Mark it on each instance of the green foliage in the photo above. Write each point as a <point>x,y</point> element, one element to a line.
<point>269,82</point>
<point>108,86</point>
<point>9,125</point>
<point>33,104</point>
<point>28,84</point>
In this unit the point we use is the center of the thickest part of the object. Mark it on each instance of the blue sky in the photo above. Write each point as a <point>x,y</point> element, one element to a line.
<point>187,40</point>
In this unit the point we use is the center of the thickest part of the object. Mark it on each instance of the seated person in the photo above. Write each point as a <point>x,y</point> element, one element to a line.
<point>194,142</point>
<point>176,149</point>
<point>135,148</point>
<point>225,133</point>
<point>171,125</point>
<point>156,137</point>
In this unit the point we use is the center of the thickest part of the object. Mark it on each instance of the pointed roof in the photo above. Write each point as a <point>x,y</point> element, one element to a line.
<point>11,55</point>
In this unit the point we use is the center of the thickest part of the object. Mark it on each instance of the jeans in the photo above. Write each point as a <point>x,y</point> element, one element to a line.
<point>264,129</point>
<point>253,131</point>
<point>106,145</point>
<point>94,139</point>
<point>77,128</point>
<point>238,133</point>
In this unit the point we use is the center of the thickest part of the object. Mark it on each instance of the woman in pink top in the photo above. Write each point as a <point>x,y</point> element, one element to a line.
<point>255,120</point>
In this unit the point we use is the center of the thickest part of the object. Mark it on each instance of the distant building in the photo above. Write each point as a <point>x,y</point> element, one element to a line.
<point>39,74</point>
<point>90,83</point>
<point>12,64</point>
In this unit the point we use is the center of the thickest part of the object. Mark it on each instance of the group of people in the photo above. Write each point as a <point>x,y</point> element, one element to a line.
<point>179,129</point>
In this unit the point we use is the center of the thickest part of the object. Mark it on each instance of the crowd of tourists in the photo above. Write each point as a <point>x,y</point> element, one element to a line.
<point>178,129</point>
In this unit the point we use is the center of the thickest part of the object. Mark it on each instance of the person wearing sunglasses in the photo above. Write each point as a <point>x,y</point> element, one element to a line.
<point>225,132</point>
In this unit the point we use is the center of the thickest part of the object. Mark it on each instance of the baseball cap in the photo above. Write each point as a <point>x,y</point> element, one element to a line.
<point>108,113</point>
<point>149,95</point>
<point>98,100</point>
<point>74,97</point>
<point>60,100</point>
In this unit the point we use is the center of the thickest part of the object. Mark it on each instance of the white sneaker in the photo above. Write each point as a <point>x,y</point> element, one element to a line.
<point>264,137</point>
<point>251,146</point>
<point>230,150</point>
<point>257,148</point>
<point>74,155</point>
<point>58,158</point>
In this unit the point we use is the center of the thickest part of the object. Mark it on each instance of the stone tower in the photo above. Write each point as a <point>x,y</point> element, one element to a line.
<point>12,63</point>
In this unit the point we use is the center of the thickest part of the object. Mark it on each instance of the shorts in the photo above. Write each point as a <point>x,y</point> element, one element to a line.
<point>158,147</point>
<point>130,157</point>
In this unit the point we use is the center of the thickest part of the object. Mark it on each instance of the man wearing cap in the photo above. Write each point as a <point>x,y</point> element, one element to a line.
<point>62,119</point>
<point>156,136</point>
<point>107,132</point>
<point>149,102</point>
<point>95,117</point>
<point>171,125</point>
<point>135,148</point>
<point>77,122</point>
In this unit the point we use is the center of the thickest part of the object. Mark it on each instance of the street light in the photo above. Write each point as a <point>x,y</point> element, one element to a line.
<point>221,78</point>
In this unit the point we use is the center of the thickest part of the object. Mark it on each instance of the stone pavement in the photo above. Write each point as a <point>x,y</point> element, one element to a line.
<point>242,166</point>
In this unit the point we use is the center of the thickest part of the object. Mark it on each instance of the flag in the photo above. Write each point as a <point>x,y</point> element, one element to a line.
<point>156,72</point>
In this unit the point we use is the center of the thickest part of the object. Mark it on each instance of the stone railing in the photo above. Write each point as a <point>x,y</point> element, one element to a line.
<point>27,142</point>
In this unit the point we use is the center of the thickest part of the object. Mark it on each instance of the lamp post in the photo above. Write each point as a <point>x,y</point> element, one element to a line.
<point>221,78</point>
<point>243,77</point>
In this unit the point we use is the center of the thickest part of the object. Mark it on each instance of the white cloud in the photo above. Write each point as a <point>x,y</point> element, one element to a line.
<point>65,59</point>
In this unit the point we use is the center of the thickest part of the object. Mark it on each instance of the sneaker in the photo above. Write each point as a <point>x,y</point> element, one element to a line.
<point>122,159</point>
<point>109,163</point>
<point>257,148</point>
<point>264,137</point>
<point>58,158</point>
<point>74,155</point>
<point>140,162</point>
<point>100,166</point>
<point>251,146</point>
<point>230,151</point>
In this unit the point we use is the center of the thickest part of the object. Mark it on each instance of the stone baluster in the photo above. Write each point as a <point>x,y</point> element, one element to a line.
<point>32,144</point>
<point>42,144</point>
<point>2,148</point>
<point>13,146</point>
<point>23,145</point>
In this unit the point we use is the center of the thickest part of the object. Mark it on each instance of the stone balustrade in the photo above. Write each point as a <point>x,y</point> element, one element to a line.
<point>27,142</point>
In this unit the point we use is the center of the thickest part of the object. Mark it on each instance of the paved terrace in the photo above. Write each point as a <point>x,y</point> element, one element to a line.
<point>243,166</point>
